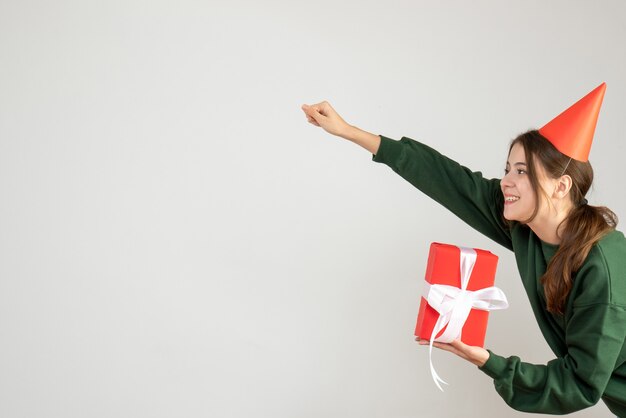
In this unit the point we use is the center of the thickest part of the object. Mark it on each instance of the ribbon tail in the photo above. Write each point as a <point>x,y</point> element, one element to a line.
<point>433,373</point>
<point>441,322</point>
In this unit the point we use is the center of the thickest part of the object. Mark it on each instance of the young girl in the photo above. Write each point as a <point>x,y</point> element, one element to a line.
<point>571,259</point>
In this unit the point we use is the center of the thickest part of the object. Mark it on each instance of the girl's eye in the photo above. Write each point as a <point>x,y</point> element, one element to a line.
<point>520,171</point>
<point>506,171</point>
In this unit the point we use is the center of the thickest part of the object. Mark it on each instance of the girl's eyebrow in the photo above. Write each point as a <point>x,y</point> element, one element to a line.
<point>517,163</point>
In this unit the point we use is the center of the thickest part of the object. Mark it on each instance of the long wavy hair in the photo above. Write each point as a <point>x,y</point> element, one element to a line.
<point>584,226</point>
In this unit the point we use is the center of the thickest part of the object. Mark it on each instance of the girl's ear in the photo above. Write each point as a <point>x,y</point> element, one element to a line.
<point>563,186</point>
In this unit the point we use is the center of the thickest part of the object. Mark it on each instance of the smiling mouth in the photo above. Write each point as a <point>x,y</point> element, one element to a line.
<point>508,200</point>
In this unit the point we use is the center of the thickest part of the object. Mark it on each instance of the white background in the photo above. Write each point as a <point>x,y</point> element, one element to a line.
<point>177,240</point>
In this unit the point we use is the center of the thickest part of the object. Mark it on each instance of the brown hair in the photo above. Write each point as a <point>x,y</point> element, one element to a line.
<point>580,230</point>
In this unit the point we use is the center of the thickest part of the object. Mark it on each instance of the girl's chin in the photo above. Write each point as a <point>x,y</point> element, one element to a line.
<point>510,216</point>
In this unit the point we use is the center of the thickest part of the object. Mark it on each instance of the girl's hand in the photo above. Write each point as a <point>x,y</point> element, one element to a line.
<point>323,115</point>
<point>475,355</point>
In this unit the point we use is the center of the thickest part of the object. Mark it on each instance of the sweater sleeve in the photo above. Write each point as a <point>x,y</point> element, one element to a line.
<point>573,382</point>
<point>475,200</point>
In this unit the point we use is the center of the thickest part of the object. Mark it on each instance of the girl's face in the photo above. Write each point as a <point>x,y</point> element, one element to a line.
<point>519,197</point>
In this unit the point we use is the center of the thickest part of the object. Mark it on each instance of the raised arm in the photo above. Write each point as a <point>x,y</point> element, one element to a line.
<point>474,199</point>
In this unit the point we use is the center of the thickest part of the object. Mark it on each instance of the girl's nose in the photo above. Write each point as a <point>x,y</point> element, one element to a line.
<point>505,181</point>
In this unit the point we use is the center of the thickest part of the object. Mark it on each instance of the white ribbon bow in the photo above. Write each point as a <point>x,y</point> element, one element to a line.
<point>454,305</point>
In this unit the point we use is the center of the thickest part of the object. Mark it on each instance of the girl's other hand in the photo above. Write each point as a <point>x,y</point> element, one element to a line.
<point>475,355</point>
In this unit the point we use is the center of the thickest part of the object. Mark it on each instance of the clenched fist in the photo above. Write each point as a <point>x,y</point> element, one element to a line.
<point>323,115</point>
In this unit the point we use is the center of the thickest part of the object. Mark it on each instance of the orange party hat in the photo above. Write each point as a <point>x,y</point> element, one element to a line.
<point>572,131</point>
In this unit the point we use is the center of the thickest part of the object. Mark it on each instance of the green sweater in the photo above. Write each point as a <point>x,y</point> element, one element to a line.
<point>588,340</point>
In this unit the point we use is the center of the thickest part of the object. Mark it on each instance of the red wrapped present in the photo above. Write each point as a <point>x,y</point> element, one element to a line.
<point>445,267</point>
<point>458,296</point>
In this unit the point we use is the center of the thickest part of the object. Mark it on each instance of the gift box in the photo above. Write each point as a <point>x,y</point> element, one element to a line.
<point>446,267</point>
